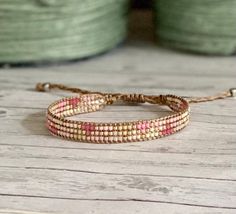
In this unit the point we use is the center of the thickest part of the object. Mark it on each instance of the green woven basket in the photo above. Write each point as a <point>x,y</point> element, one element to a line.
<point>203,26</point>
<point>53,30</point>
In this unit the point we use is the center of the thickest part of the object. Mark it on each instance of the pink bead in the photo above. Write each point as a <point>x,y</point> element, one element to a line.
<point>92,127</point>
<point>74,101</point>
<point>71,101</point>
<point>139,126</point>
<point>164,132</point>
<point>143,126</point>
<point>87,127</point>
<point>53,129</point>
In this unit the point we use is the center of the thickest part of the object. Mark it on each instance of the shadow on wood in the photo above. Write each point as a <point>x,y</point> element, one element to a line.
<point>35,123</point>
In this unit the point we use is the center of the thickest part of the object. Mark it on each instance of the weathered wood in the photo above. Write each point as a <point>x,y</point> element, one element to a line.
<point>7,211</point>
<point>48,183</point>
<point>100,207</point>
<point>191,172</point>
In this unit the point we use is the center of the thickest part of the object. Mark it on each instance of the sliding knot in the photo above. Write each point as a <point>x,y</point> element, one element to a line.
<point>111,98</point>
<point>134,98</point>
<point>161,99</point>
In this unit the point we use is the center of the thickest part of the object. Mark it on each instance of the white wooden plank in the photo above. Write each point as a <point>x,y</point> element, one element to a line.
<point>125,162</point>
<point>8,211</point>
<point>62,206</point>
<point>153,83</point>
<point>93,186</point>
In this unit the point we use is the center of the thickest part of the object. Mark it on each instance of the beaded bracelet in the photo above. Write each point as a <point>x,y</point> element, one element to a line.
<point>59,125</point>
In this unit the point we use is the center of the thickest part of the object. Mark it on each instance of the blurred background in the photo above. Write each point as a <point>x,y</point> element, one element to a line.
<point>43,31</point>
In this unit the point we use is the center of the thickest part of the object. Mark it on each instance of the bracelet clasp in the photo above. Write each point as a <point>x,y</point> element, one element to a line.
<point>232,92</point>
<point>43,87</point>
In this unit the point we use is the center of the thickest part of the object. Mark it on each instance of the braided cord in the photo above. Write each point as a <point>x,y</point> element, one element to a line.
<point>219,96</point>
<point>111,97</point>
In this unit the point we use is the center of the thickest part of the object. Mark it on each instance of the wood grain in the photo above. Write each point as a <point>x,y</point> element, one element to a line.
<point>193,171</point>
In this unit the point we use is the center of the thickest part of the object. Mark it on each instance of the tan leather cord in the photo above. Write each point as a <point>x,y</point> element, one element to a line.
<point>136,98</point>
<point>222,95</point>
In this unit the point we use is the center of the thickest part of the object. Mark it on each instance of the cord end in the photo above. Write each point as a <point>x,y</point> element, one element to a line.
<point>42,87</point>
<point>232,92</point>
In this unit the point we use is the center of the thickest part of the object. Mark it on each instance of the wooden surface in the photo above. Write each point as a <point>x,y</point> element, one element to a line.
<point>192,172</point>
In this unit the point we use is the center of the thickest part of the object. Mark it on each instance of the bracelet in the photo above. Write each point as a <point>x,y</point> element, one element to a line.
<point>60,125</point>
<point>141,130</point>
